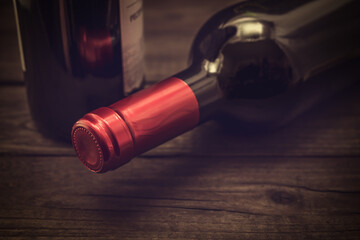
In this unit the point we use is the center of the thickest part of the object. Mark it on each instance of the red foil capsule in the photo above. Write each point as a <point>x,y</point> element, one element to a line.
<point>110,136</point>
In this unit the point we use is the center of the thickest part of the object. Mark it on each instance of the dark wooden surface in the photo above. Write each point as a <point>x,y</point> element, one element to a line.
<point>298,182</point>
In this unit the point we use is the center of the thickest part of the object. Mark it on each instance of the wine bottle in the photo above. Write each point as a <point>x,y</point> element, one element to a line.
<point>262,62</point>
<point>77,56</point>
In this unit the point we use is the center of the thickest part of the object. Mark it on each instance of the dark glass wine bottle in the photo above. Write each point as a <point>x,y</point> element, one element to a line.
<point>262,62</point>
<point>75,58</point>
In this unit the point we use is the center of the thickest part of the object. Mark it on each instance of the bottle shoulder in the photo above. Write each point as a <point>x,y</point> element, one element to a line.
<point>243,22</point>
<point>258,49</point>
<point>245,59</point>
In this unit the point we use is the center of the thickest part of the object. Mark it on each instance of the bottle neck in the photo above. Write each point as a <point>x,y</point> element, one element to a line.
<point>136,124</point>
<point>206,89</point>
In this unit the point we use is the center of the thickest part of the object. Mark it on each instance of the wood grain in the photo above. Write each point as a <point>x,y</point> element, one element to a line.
<point>182,198</point>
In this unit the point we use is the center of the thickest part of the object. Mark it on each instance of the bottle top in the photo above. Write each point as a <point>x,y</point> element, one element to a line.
<point>99,143</point>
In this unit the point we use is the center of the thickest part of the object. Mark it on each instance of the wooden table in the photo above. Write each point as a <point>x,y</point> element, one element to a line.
<point>298,182</point>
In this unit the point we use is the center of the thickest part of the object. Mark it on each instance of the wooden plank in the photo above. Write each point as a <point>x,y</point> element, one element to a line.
<point>331,129</point>
<point>181,198</point>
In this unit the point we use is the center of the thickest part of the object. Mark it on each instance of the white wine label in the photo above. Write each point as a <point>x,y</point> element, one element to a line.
<point>132,43</point>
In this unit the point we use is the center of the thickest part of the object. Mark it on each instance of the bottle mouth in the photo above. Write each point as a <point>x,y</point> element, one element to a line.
<point>102,140</point>
<point>88,149</point>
